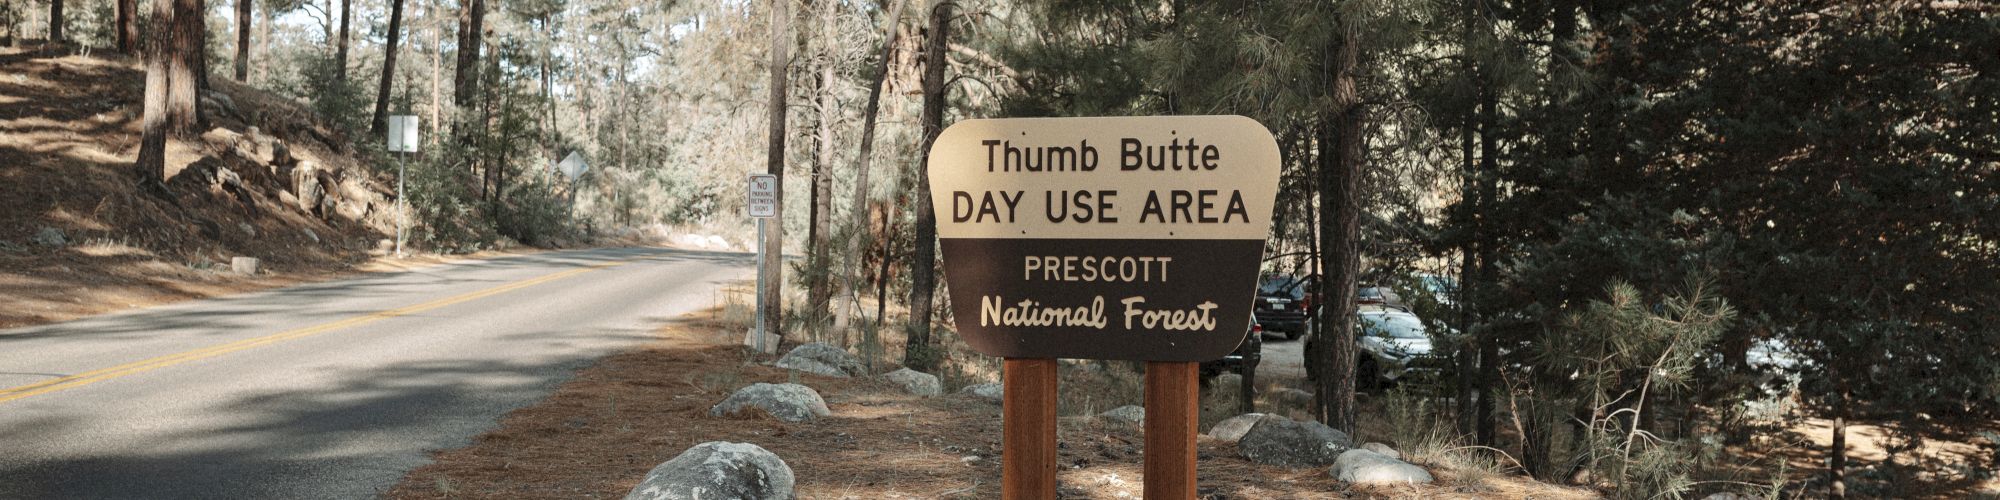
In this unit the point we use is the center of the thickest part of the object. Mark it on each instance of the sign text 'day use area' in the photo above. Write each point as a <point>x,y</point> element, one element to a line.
<point>1104,238</point>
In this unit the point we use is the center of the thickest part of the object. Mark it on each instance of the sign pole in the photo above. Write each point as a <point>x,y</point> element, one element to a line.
<point>759,332</point>
<point>402,211</point>
<point>1028,422</point>
<point>761,200</point>
<point>1172,405</point>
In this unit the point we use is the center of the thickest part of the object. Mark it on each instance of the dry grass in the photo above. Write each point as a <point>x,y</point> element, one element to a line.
<point>599,434</point>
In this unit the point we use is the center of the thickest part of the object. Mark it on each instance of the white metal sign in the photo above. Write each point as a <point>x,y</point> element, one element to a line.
<point>763,195</point>
<point>573,166</point>
<point>403,133</point>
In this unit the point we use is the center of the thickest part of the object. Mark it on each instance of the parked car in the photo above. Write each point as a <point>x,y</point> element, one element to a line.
<point>1285,305</point>
<point>1243,360</point>
<point>1380,295</point>
<point>1393,344</point>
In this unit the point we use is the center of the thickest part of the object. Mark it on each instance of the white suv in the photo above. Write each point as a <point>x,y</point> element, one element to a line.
<point>1393,345</point>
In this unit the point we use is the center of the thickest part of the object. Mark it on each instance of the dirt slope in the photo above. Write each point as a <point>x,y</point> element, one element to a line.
<point>77,238</point>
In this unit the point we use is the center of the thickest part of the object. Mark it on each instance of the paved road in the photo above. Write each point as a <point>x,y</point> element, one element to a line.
<point>330,390</point>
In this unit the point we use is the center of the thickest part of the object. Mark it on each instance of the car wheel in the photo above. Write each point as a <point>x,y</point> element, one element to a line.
<point>1302,331</point>
<point>1367,375</point>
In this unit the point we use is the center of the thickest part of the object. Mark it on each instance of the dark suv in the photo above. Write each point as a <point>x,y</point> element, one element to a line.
<point>1286,304</point>
<point>1243,360</point>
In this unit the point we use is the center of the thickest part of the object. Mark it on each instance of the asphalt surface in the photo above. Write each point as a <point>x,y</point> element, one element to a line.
<point>328,390</point>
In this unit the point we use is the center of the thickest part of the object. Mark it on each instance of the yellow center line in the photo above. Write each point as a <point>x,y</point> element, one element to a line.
<point>102,374</point>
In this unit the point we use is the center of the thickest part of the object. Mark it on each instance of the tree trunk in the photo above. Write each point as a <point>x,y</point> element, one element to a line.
<point>150,170</point>
<point>554,136</point>
<point>882,280</point>
<point>772,274</point>
<point>200,54</point>
<point>242,39</point>
<point>127,26</point>
<point>1466,352</point>
<point>1537,448</point>
<point>55,21</point>
<point>184,67</point>
<point>263,73</point>
<point>437,73</point>
<point>1340,207</point>
<point>858,210</point>
<point>340,46</point>
<point>923,264</point>
<point>379,123</point>
<point>1836,463</point>
<point>1489,346</point>
<point>820,287</point>
<point>471,29</point>
<point>467,122</point>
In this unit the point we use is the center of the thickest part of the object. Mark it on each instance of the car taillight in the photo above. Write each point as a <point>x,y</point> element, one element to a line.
<point>1256,328</point>
<point>1305,304</point>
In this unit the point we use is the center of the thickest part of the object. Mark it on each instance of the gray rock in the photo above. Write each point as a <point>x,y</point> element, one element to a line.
<point>51,237</point>
<point>220,103</point>
<point>1231,430</point>
<point>822,359</point>
<point>916,382</point>
<point>306,186</point>
<point>787,402</point>
<point>352,210</point>
<point>1277,440</point>
<point>1131,414</point>
<point>990,391</point>
<point>1366,467</point>
<point>244,265</point>
<point>717,470</point>
<point>1382,449</point>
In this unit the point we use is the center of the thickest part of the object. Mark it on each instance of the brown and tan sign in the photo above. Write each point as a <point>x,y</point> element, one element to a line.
<point>1133,238</point>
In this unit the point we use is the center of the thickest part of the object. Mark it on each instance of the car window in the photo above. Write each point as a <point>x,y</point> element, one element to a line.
<point>1282,286</point>
<point>1400,326</point>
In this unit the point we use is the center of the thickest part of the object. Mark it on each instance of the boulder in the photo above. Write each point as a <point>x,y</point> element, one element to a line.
<point>1361,466</point>
<point>1383,449</point>
<point>787,402</point>
<point>990,391</point>
<point>1231,430</point>
<point>244,265</point>
<point>1131,414</point>
<point>352,210</point>
<point>1277,440</point>
<point>51,237</point>
<point>822,359</point>
<point>307,188</point>
<point>916,382</point>
<point>219,103</point>
<point>718,469</point>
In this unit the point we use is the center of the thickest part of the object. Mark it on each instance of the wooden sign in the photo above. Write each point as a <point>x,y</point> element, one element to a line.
<point>1104,238</point>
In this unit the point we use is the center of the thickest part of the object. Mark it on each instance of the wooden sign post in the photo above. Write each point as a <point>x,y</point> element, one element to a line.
<point>1130,238</point>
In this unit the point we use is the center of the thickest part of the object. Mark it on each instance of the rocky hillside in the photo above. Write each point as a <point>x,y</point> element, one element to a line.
<point>267,180</point>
